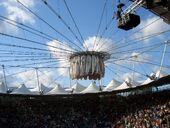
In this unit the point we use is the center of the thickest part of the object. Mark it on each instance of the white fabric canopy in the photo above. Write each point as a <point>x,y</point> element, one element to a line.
<point>92,88</point>
<point>43,88</point>
<point>127,84</point>
<point>148,80</point>
<point>57,90</point>
<point>157,75</point>
<point>160,74</point>
<point>113,84</point>
<point>22,90</point>
<point>77,87</point>
<point>3,88</point>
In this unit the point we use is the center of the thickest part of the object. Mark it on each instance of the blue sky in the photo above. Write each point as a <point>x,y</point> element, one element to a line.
<point>87,15</point>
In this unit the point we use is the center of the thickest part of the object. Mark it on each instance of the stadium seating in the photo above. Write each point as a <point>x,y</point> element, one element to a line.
<point>86,111</point>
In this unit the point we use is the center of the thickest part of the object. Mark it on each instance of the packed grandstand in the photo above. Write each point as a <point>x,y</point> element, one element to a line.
<point>112,110</point>
<point>145,106</point>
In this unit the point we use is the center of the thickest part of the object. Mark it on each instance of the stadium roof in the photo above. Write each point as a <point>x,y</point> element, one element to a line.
<point>112,85</point>
<point>43,88</point>
<point>162,12</point>
<point>92,88</point>
<point>128,83</point>
<point>3,88</point>
<point>159,10</point>
<point>57,90</point>
<point>22,90</point>
<point>77,87</point>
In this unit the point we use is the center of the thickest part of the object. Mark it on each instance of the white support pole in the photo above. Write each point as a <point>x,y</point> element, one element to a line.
<point>69,76</point>
<point>101,84</point>
<point>38,82</point>
<point>163,56</point>
<point>4,76</point>
<point>135,58</point>
<point>133,72</point>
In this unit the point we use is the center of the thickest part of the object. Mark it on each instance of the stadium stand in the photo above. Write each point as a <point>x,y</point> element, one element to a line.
<point>151,110</point>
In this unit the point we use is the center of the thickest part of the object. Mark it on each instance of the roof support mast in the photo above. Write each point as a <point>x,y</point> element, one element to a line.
<point>4,75</point>
<point>38,82</point>
<point>69,77</point>
<point>163,56</point>
<point>101,84</point>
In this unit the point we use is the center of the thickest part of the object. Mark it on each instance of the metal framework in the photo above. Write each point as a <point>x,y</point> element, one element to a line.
<point>134,6</point>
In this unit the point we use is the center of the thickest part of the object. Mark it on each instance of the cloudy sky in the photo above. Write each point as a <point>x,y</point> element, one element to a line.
<point>33,35</point>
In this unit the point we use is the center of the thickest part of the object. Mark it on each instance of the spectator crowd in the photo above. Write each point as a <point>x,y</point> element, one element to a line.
<point>90,111</point>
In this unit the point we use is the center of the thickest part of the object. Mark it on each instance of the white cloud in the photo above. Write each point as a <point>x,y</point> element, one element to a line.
<point>98,44</point>
<point>47,77</point>
<point>62,53</point>
<point>131,76</point>
<point>30,79</point>
<point>132,58</point>
<point>63,71</point>
<point>11,81</point>
<point>7,28</point>
<point>152,26</point>
<point>14,11</point>
<point>138,58</point>
<point>62,50</point>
